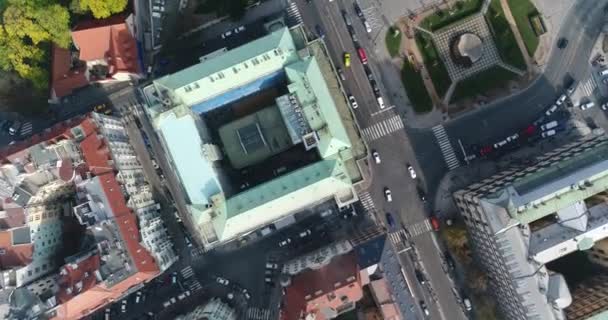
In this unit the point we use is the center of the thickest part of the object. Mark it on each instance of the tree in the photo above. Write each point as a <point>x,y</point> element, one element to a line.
<point>102,8</point>
<point>26,32</point>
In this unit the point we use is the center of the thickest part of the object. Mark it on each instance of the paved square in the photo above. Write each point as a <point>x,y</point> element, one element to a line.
<point>477,25</point>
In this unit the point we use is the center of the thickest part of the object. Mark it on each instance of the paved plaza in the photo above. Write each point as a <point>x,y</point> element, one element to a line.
<point>477,25</point>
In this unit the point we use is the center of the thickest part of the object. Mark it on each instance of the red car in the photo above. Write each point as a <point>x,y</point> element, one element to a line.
<point>484,151</point>
<point>435,223</point>
<point>362,55</point>
<point>529,131</point>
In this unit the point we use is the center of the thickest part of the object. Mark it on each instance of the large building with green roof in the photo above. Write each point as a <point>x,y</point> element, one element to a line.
<point>257,134</point>
<point>525,217</point>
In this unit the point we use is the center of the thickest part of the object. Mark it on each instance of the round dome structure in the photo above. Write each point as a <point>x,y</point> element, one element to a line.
<point>467,49</point>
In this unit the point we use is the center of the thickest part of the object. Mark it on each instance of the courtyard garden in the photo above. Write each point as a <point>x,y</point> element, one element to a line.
<point>393,41</point>
<point>503,36</point>
<point>459,10</point>
<point>414,86</point>
<point>433,63</point>
<point>493,78</point>
<point>529,23</point>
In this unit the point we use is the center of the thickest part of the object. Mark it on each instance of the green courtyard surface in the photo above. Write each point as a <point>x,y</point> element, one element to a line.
<point>479,83</point>
<point>414,86</point>
<point>457,11</point>
<point>433,63</point>
<point>504,37</point>
<point>392,42</point>
<point>522,11</point>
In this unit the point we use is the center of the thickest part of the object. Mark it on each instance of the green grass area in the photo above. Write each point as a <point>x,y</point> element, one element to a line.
<point>414,86</point>
<point>433,63</point>
<point>504,37</point>
<point>481,82</point>
<point>393,42</point>
<point>523,11</point>
<point>461,9</point>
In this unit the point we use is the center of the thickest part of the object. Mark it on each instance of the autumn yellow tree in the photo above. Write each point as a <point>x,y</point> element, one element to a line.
<point>102,8</point>
<point>28,28</point>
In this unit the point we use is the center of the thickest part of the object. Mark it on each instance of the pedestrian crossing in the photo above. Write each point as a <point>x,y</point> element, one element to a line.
<point>258,314</point>
<point>293,14</point>
<point>195,286</point>
<point>366,201</point>
<point>187,272</point>
<point>446,147</point>
<point>588,87</point>
<point>26,129</point>
<point>197,252</point>
<point>412,231</point>
<point>382,128</point>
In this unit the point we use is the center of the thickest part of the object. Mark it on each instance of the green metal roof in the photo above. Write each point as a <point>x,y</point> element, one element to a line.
<point>280,39</point>
<point>308,84</point>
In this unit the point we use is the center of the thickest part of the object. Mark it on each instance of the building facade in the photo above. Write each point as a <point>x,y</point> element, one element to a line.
<point>524,217</point>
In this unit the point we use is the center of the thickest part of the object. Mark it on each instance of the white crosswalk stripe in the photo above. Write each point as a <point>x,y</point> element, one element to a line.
<point>588,86</point>
<point>26,128</point>
<point>258,314</point>
<point>197,252</point>
<point>419,228</point>
<point>367,201</point>
<point>382,128</point>
<point>446,147</point>
<point>398,237</point>
<point>187,272</point>
<point>195,286</point>
<point>293,13</point>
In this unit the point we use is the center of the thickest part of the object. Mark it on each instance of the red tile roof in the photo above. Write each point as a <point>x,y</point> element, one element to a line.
<point>82,272</point>
<point>308,290</point>
<point>106,39</point>
<point>14,256</point>
<point>14,215</point>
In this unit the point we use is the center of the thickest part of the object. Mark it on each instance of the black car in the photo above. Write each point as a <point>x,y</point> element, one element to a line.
<point>420,276</point>
<point>421,194</point>
<point>562,43</point>
<point>390,220</point>
<point>358,11</point>
<point>449,261</point>
<point>320,31</point>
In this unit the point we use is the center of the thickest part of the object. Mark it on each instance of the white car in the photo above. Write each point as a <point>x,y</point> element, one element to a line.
<point>561,99</point>
<point>368,27</point>
<point>587,105</point>
<point>285,242</point>
<point>388,195</point>
<point>376,156</point>
<point>548,133</point>
<point>272,266</point>
<point>412,171</point>
<point>551,110</point>
<point>500,144</point>
<point>305,233</point>
<point>353,102</point>
<point>222,281</point>
<point>513,137</point>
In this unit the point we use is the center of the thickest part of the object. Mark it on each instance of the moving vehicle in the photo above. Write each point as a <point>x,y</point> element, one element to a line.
<point>421,194</point>
<point>424,308</point>
<point>222,281</point>
<point>353,102</point>
<point>562,43</point>
<point>380,102</point>
<point>174,277</point>
<point>411,171</point>
<point>420,276</point>
<point>390,220</point>
<point>341,74</point>
<point>376,157</point>
<point>388,195</point>
<point>346,59</point>
<point>362,55</point>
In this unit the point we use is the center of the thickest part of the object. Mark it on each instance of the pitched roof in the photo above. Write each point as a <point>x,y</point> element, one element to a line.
<point>64,79</point>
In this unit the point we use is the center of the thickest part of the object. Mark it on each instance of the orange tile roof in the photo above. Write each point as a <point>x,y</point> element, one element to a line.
<point>14,256</point>
<point>84,273</point>
<point>63,79</point>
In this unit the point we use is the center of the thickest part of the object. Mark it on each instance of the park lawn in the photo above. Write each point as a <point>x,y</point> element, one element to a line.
<point>415,88</point>
<point>433,64</point>
<point>503,36</point>
<point>522,11</point>
<point>442,18</point>
<point>392,42</point>
<point>481,82</point>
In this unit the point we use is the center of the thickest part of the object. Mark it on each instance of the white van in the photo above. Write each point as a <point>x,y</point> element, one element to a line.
<point>156,14</point>
<point>380,102</point>
<point>548,125</point>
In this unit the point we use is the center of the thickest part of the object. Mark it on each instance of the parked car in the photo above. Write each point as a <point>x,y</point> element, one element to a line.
<point>388,195</point>
<point>421,194</point>
<point>449,261</point>
<point>341,74</point>
<point>435,223</point>
<point>562,43</point>
<point>424,308</point>
<point>222,281</point>
<point>14,128</point>
<point>272,266</point>
<point>467,304</point>
<point>284,242</point>
<point>549,125</point>
<point>588,105</point>
<point>561,99</point>
<point>305,233</point>
<point>551,110</point>
<point>513,137</point>
<point>500,144</point>
<point>346,18</point>
<point>485,150</point>
<point>358,10</point>
<point>362,55</point>
<point>320,31</point>
<point>346,59</point>
<point>411,171</point>
<point>353,102</point>
<point>420,276</point>
<point>548,133</point>
<point>376,156</point>
<point>367,26</point>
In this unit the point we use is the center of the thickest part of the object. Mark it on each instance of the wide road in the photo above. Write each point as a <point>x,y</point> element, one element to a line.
<point>392,143</point>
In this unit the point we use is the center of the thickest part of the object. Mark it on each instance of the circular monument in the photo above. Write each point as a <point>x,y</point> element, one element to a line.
<point>466,49</point>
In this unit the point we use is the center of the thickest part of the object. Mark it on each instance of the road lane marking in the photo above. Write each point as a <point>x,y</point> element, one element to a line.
<point>382,128</point>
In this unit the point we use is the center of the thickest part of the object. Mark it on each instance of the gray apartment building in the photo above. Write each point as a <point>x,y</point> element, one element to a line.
<point>528,215</point>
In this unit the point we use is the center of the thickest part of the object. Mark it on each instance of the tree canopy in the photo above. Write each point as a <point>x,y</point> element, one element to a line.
<point>27,27</point>
<point>102,8</point>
